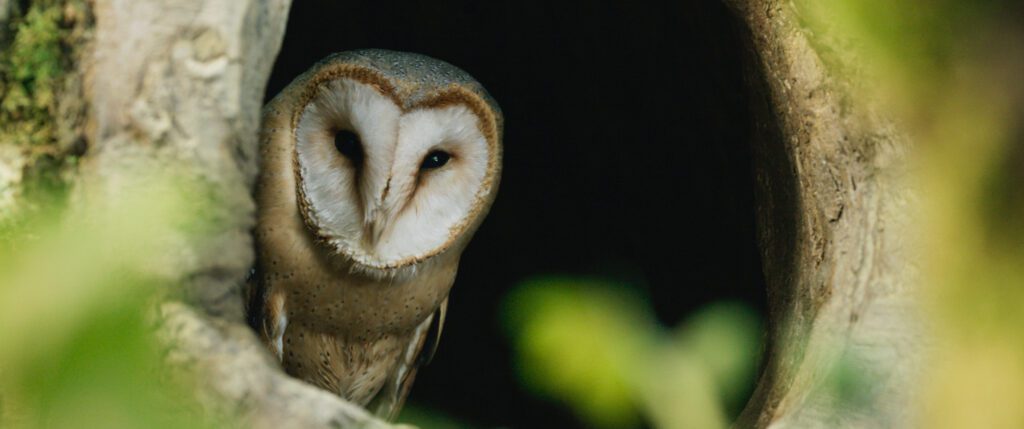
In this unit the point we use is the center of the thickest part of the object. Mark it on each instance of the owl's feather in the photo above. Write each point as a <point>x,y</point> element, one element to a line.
<point>419,353</point>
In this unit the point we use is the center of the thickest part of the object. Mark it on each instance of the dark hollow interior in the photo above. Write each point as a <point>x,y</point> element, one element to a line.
<point>627,157</point>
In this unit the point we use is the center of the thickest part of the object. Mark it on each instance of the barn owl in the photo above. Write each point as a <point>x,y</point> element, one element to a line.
<point>376,169</point>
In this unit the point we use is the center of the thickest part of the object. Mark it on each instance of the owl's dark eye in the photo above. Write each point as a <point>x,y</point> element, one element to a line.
<point>435,159</point>
<point>347,143</point>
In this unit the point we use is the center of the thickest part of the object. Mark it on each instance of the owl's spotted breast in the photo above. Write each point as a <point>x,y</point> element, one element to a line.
<point>354,369</point>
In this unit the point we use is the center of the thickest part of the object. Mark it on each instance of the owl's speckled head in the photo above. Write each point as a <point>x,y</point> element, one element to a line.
<point>397,157</point>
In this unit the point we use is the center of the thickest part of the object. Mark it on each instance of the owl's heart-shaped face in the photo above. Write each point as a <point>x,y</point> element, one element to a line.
<point>389,185</point>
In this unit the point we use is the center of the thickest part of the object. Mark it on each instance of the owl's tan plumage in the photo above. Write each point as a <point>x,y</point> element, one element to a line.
<point>358,249</point>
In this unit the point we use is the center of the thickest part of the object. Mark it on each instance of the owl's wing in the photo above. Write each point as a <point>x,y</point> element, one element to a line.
<point>420,351</point>
<point>265,313</point>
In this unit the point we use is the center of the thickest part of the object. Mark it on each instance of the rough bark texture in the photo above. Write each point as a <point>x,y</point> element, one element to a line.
<point>833,200</point>
<point>248,382</point>
<point>178,84</point>
<point>167,86</point>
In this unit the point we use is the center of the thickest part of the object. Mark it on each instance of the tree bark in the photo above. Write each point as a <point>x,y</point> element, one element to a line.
<point>175,86</point>
<point>832,197</point>
<point>244,381</point>
<point>187,91</point>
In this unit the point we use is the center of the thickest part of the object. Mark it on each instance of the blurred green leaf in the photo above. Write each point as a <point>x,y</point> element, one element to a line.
<point>581,342</point>
<point>726,337</point>
<point>596,347</point>
<point>74,300</point>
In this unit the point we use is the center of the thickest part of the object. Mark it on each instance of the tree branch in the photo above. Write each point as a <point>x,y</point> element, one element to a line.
<point>237,376</point>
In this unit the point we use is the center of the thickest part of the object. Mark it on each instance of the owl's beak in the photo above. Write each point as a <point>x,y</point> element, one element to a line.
<point>377,218</point>
<point>381,213</point>
<point>374,227</point>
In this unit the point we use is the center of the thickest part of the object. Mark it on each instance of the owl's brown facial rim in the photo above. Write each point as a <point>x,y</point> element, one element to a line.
<point>389,183</point>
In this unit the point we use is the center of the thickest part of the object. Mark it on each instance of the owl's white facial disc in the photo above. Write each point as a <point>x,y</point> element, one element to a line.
<point>408,190</point>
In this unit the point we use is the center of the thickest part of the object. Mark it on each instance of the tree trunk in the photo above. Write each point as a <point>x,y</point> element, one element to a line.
<point>833,196</point>
<point>174,86</point>
<point>188,91</point>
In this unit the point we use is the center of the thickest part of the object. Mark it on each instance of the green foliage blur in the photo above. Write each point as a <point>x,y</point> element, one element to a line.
<point>596,347</point>
<point>952,73</point>
<point>76,298</point>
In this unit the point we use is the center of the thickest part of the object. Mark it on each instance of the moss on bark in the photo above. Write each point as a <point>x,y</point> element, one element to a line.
<point>42,108</point>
